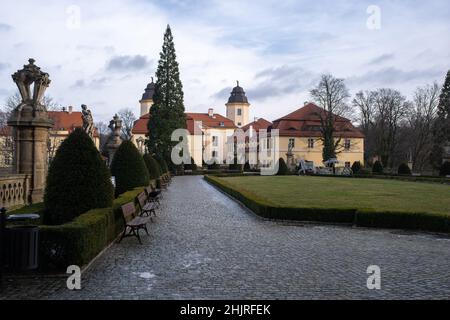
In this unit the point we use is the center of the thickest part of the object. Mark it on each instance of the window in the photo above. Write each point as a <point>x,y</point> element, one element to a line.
<point>222,124</point>
<point>239,124</point>
<point>292,142</point>
<point>311,143</point>
<point>239,112</point>
<point>214,154</point>
<point>215,141</point>
<point>347,144</point>
<point>347,164</point>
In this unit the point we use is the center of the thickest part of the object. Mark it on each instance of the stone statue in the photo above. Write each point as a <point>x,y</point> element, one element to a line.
<point>290,147</point>
<point>88,120</point>
<point>115,141</point>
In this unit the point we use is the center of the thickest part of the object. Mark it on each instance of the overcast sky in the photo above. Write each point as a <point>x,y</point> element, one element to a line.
<point>275,48</point>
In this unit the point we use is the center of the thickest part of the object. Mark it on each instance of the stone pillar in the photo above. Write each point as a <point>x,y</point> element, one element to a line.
<point>116,127</point>
<point>31,124</point>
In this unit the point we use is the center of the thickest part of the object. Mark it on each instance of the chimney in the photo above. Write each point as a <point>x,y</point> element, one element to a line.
<point>70,109</point>
<point>211,112</point>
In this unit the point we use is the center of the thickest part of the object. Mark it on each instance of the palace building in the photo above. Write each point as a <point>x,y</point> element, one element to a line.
<point>300,129</point>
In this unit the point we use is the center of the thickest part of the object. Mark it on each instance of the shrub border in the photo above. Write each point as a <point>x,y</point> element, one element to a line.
<point>357,217</point>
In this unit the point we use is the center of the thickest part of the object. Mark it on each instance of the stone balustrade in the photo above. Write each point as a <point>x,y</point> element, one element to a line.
<point>14,190</point>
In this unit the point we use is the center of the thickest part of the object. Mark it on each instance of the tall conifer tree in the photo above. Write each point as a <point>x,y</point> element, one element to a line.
<point>167,112</point>
<point>441,130</point>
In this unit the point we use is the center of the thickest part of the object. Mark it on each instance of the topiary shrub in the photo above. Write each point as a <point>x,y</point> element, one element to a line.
<point>445,169</point>
<point>377,167</point>
<point>247,167</point>
<point>78,180</point>
<point>128,168</point>
<point>191,166</point>
<point>356,167</point>
<point>282,168</point>
<point>153,167</point>
<point>163,165</point>
<point>404,169</point>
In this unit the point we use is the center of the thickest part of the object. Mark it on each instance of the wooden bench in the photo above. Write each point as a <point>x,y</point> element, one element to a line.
<point>153,195</point>
<point>146,208</point>
<point>133,222</point>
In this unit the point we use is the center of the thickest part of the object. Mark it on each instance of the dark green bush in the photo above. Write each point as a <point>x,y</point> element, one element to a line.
<point>153,167</point>
<point>78,180</point>
<point>79,241</point>
<point>191,166</point>
<point>404,169</point>
<point>356,167</point>
<point>214,166</point>
<point>282,168</point>
<point>247,167</point>
<point>163,164</point>
<point>128,168</point>
<point>235,166</point>
<point>445,169</point>
<point>377,167</point>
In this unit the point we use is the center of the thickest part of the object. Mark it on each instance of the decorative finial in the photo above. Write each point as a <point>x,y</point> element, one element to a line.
<point>237,81</point>
<point>152,79</point>
<point>31,61</point>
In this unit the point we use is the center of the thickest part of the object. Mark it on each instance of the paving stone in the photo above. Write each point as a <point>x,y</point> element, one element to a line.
<point>203,245</point>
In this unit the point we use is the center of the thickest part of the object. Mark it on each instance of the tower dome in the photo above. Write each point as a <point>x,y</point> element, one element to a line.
<point>147,98</point>
<point>238,95</point>
<point>149,91</point>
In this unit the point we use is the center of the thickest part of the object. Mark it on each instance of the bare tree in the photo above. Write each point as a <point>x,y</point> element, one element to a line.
<point>364,103</point>
<point>104,134</point>
<point>391,108</point>
<point>331,94</point>
<point>420,122</point>
<point>128,119</point>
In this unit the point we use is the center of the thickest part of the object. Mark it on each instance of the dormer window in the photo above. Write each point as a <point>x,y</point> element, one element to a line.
<point>222,124</point>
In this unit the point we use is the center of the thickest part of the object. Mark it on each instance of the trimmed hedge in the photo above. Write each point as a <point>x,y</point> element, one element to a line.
<point>356,167</point>
<point>282,168</point>
<point>358,217</point>
<point>81,240</point>
<point>128,168</point>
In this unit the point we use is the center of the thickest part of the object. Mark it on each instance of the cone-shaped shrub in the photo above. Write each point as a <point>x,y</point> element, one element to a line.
<point>282,168</point>
<point>78,180</point>
<point>445,169</point>
<point>247,166</point>
<point>404,169</point>
<point>153,167</point>
<point>128,168</point>
<point>191,166</point>
<point>356,167</point>
<point>377,167</point>
<point>163,165</point>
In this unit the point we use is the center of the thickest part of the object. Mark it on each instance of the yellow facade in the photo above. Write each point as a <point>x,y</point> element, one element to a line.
<point>310,149</point>
<point>239,113</point>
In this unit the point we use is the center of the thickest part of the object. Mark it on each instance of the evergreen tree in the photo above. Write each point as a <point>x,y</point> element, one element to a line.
<point>167,112</point>
<point>153,167</point>
<point>441,131</point>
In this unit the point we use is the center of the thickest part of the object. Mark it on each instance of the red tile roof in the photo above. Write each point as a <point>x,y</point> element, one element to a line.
<point>140,125</point>
<point>257,125</point>
<point>67,121</point>
<point>305,122</point>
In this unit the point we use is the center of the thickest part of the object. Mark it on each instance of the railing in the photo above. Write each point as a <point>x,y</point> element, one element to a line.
<point>14,190</point>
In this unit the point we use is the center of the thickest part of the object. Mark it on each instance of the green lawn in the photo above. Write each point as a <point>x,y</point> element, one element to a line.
<point>325,192</point>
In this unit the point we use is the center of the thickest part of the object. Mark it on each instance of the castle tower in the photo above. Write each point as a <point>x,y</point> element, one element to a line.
<point>238,108</point>
<point>147,98</point>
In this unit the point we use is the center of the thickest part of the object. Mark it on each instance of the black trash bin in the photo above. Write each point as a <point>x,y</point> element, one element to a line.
<point>23,248</point>
<point>22,244</point>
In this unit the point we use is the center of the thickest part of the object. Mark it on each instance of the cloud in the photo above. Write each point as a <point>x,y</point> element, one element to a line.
<point>5,27</point>
<point>128,63</point>
<point>4,66</point>
<point>382,58</point>
<point>391,76</point>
